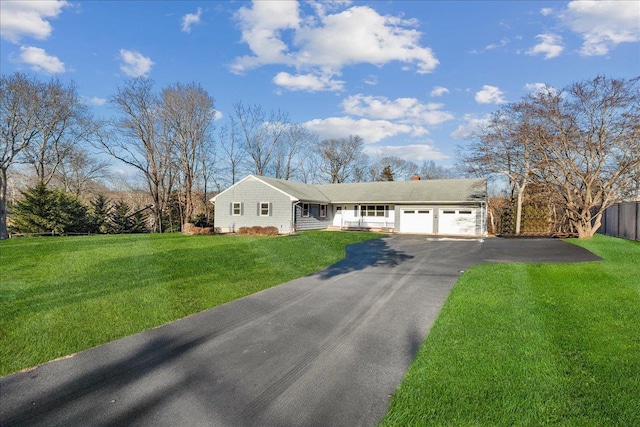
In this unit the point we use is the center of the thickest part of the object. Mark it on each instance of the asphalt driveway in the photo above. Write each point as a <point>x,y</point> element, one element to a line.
<point>326,349</point>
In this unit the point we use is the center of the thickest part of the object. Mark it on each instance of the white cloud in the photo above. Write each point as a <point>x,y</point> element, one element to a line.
<point>39,60</point>
<point>534,87</point>
<point>539,88</point>
<point>439,91</point>
<point>28,18</point>
<point>98,102</point>
<point>262,26</point>
<point>603,24</point>
<point>134,63</point>
<point>403,110</point>
<point>550,45</point>
<point>546,11</point>
<point>412,152</point>
<point>190,19</point>
<point>371,80</point>
<point>371,131</point>
<point>490,95</point>
<point>361,35</point>
<point>502,43</point>
<point>324,43</point>
<point>308,82</point>
<point>470,124</point>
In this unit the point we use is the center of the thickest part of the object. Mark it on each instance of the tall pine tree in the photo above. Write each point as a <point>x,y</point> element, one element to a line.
<point>49,211</point>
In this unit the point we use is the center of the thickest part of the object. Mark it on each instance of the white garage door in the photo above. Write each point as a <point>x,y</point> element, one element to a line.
<point>416,220</point>
<point>457,221</point>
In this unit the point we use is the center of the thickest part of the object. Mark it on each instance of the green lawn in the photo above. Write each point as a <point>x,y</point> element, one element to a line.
<point>62,295</point>
<point>533,345</point>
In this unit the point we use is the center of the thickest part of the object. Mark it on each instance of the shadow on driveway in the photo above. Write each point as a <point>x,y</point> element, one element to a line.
<point>371,253</point>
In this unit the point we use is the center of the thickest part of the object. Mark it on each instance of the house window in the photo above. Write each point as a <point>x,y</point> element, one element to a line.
<point>264,209</point>
<point>305,210</point>
<point>236,208</point>
<point>323,211</point>
<point>374,210</point>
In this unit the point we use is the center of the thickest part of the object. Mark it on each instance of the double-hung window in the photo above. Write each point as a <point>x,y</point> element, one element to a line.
<point>236,208</point>
<point>264,209</point>
<point>305,210</point>
<point>374,210</point>
<point>323,211</point>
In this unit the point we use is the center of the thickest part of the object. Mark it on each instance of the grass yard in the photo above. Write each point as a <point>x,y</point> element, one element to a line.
<point>62,295</point>
<point>533,345</point>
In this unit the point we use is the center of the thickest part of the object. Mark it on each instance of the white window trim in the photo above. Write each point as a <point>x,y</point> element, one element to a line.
<point>308,214</point>
<point>268,208</point>
<point>323,212</point>
<point>233,208</point>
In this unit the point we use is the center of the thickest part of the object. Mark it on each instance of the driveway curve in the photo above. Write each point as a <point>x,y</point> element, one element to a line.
<point>326,349</point>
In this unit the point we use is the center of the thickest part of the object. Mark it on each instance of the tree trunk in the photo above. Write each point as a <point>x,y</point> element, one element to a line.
<point>519,210</point>
<point>585,229</point>
<point>3,205</point>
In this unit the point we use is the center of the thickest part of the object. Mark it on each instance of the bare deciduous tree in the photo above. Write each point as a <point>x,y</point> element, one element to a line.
<point>590,145</point>
<point>63,122</point>
<point>343,159</point>
<point>430,170</point>
<point>187,115</point>
<point>402,169</point>
<point>292,151</point>
<point>19,109</point>
<point>139,141</point>
<point>506,146</point>
<point>581,144</point>
<point>259,133</point>
<point>80,169</point>
<point>232,157</point>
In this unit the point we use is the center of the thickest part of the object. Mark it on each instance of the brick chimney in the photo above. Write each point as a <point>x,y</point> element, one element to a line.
<point>415,177</point>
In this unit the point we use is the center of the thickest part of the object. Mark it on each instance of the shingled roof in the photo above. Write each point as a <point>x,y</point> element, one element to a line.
<point>424,191</point>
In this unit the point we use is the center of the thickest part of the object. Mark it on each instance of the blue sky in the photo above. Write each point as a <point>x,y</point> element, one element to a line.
<point>412,78</point>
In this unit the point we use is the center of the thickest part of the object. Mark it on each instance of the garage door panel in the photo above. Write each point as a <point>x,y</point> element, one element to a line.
<point>416,220</point>
<point>457,221</point>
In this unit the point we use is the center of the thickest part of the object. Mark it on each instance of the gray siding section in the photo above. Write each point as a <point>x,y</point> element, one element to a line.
<point>313,221</point>
<point>251,193</point>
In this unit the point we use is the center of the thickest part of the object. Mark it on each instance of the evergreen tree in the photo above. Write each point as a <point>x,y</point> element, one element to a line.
<point>386,174</point>
<point>100,208</point>
<point>119,221</point>
<point>33,214</point>
<point>138,222</point>
<point>43,211</point>
<point>71,216</point>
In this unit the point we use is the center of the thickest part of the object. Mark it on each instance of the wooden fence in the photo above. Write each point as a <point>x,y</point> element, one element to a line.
<point>622,220</point>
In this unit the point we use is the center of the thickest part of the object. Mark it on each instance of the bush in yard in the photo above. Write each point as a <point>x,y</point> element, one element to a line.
<point>121,220</point>
<point>192,229</point>
<point>256,230</point>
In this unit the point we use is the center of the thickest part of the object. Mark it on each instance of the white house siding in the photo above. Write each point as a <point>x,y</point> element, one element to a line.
<point>251,193</point>
<point>350,217</point>
<point>313,221</point>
